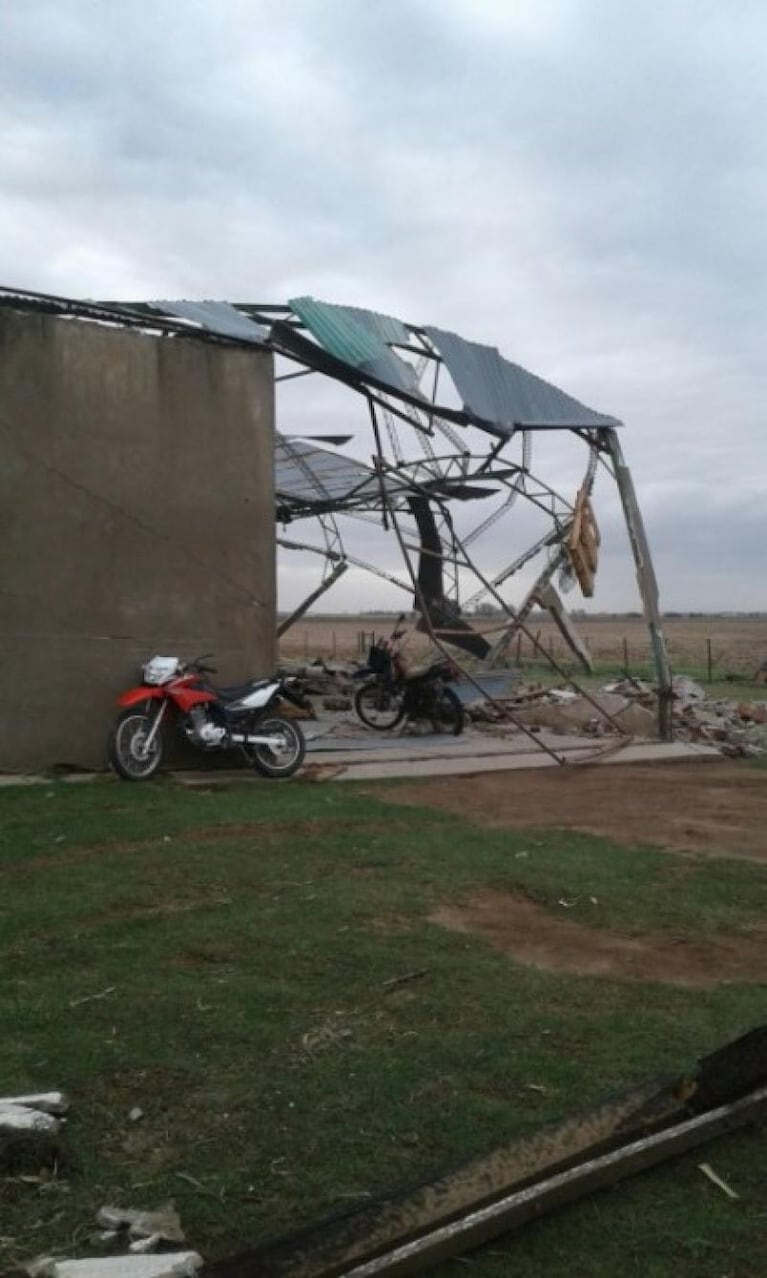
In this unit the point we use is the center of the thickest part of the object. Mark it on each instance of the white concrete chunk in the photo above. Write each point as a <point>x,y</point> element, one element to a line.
<point>175,1264</point>
<point>47,1102</point>
<point>17,1118</point>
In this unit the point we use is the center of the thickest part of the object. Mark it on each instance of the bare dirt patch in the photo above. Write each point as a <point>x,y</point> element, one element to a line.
<point>719,809</point>
<point>530,934</point>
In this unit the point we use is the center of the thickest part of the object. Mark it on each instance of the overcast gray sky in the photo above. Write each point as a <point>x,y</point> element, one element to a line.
<point>580,182</point>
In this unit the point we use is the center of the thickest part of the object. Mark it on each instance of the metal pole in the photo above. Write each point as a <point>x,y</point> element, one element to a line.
<point>329,581</point>
<point>646,579</point>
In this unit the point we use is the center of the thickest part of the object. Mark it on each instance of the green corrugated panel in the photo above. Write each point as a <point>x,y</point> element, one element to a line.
<point>338,330</point>
<point>361,339</point>
<point>353,335</point>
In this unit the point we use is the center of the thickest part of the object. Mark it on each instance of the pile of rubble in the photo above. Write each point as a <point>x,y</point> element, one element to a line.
<point>333,684</point>
<point>737,728</point>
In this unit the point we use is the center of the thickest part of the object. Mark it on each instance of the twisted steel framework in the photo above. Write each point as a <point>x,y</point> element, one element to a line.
<point>447,455</point>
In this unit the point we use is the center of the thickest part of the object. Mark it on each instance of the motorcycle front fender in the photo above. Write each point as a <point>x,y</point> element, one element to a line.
<point>136,695</point>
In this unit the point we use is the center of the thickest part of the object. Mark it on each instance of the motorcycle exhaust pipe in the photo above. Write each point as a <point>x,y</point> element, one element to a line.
<point>250,738</point>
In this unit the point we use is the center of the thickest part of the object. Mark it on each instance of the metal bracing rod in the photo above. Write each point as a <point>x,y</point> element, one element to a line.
<point>377,398</point>
<point>382,483</point>
<point>646,580</point>
<point>291,377</point>
<point>549,540</point>
<point>304,607</point>
<point>543,593</point>
<point>394,440</point>
<point>543,489</point>
<point>330,532</point>
<point>288,544</point>
<point>461,561</point>
<point>510,612</point>
<point>425,613</point>
<point>493,518</point>
<point>353,560</point>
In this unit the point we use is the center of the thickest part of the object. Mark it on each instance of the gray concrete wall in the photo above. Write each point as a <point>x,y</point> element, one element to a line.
<point>136,516</point>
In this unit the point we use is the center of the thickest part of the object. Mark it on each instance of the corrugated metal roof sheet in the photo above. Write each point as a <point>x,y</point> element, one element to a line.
<point>499,393</point>
<point>359,338</point>
<point>305,475</point>
<point>217,317</point>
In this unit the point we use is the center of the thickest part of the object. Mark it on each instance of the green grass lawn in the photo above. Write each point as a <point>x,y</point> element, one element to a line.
<point>246,938</point>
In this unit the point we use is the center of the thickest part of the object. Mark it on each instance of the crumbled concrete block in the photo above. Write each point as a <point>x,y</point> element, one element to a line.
<point>336,703</point>
<point>46,1102</point>
<point>174,1264</point>
<point>142,1246</point>
<point>163,1222</point>
<point>16,1119</point>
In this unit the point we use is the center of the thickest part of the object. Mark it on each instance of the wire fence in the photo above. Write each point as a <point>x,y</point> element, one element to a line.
<point>728,653</point>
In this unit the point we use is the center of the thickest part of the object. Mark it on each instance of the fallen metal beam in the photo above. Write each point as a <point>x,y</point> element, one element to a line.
<point>408,1231</point>
<point>509,1213</point>
<point>549,598</point>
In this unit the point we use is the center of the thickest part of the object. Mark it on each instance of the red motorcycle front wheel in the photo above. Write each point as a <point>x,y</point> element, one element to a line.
<point>127,749</point>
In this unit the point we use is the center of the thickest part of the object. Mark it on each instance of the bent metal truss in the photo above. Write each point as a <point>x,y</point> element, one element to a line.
<point>452,426</point>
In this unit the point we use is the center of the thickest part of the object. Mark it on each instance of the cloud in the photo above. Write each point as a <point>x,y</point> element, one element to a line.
<point>580,182</point>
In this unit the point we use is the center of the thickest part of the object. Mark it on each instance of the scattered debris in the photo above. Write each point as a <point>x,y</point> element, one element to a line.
<point>708,1171</point>
<point>91,998</point>
<point>737,728</point>
<point>142,1246</point>
<point>17,1118</point>
<point>145,1231</point>
<point>337,703</point>
<point>394,981</point>
<point>178,1264</point>
<point>163,1223</point>
<point>45,1102</point>
<point>29,1131</point>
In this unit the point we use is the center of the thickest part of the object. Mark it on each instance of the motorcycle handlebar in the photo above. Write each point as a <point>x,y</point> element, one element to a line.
<point>197,665</point>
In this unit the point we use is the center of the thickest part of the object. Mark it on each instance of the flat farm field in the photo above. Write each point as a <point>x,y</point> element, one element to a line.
<point>732,645</point>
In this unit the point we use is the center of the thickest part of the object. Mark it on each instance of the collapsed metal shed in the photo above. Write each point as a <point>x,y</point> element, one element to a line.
<point>452,424</point>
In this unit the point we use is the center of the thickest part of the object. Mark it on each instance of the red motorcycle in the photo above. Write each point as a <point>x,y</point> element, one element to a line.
<point>237,718</point>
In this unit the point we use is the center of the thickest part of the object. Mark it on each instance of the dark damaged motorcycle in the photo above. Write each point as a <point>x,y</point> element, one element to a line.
<point>392,692</point>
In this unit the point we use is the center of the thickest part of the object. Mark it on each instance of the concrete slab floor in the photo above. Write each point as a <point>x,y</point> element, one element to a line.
<point>360,754</point>
<point>588,753</point>
<point>346,765</point>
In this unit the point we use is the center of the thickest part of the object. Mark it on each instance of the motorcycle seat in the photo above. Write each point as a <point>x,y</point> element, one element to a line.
<point>417,672</point>
<point>236,691</point>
